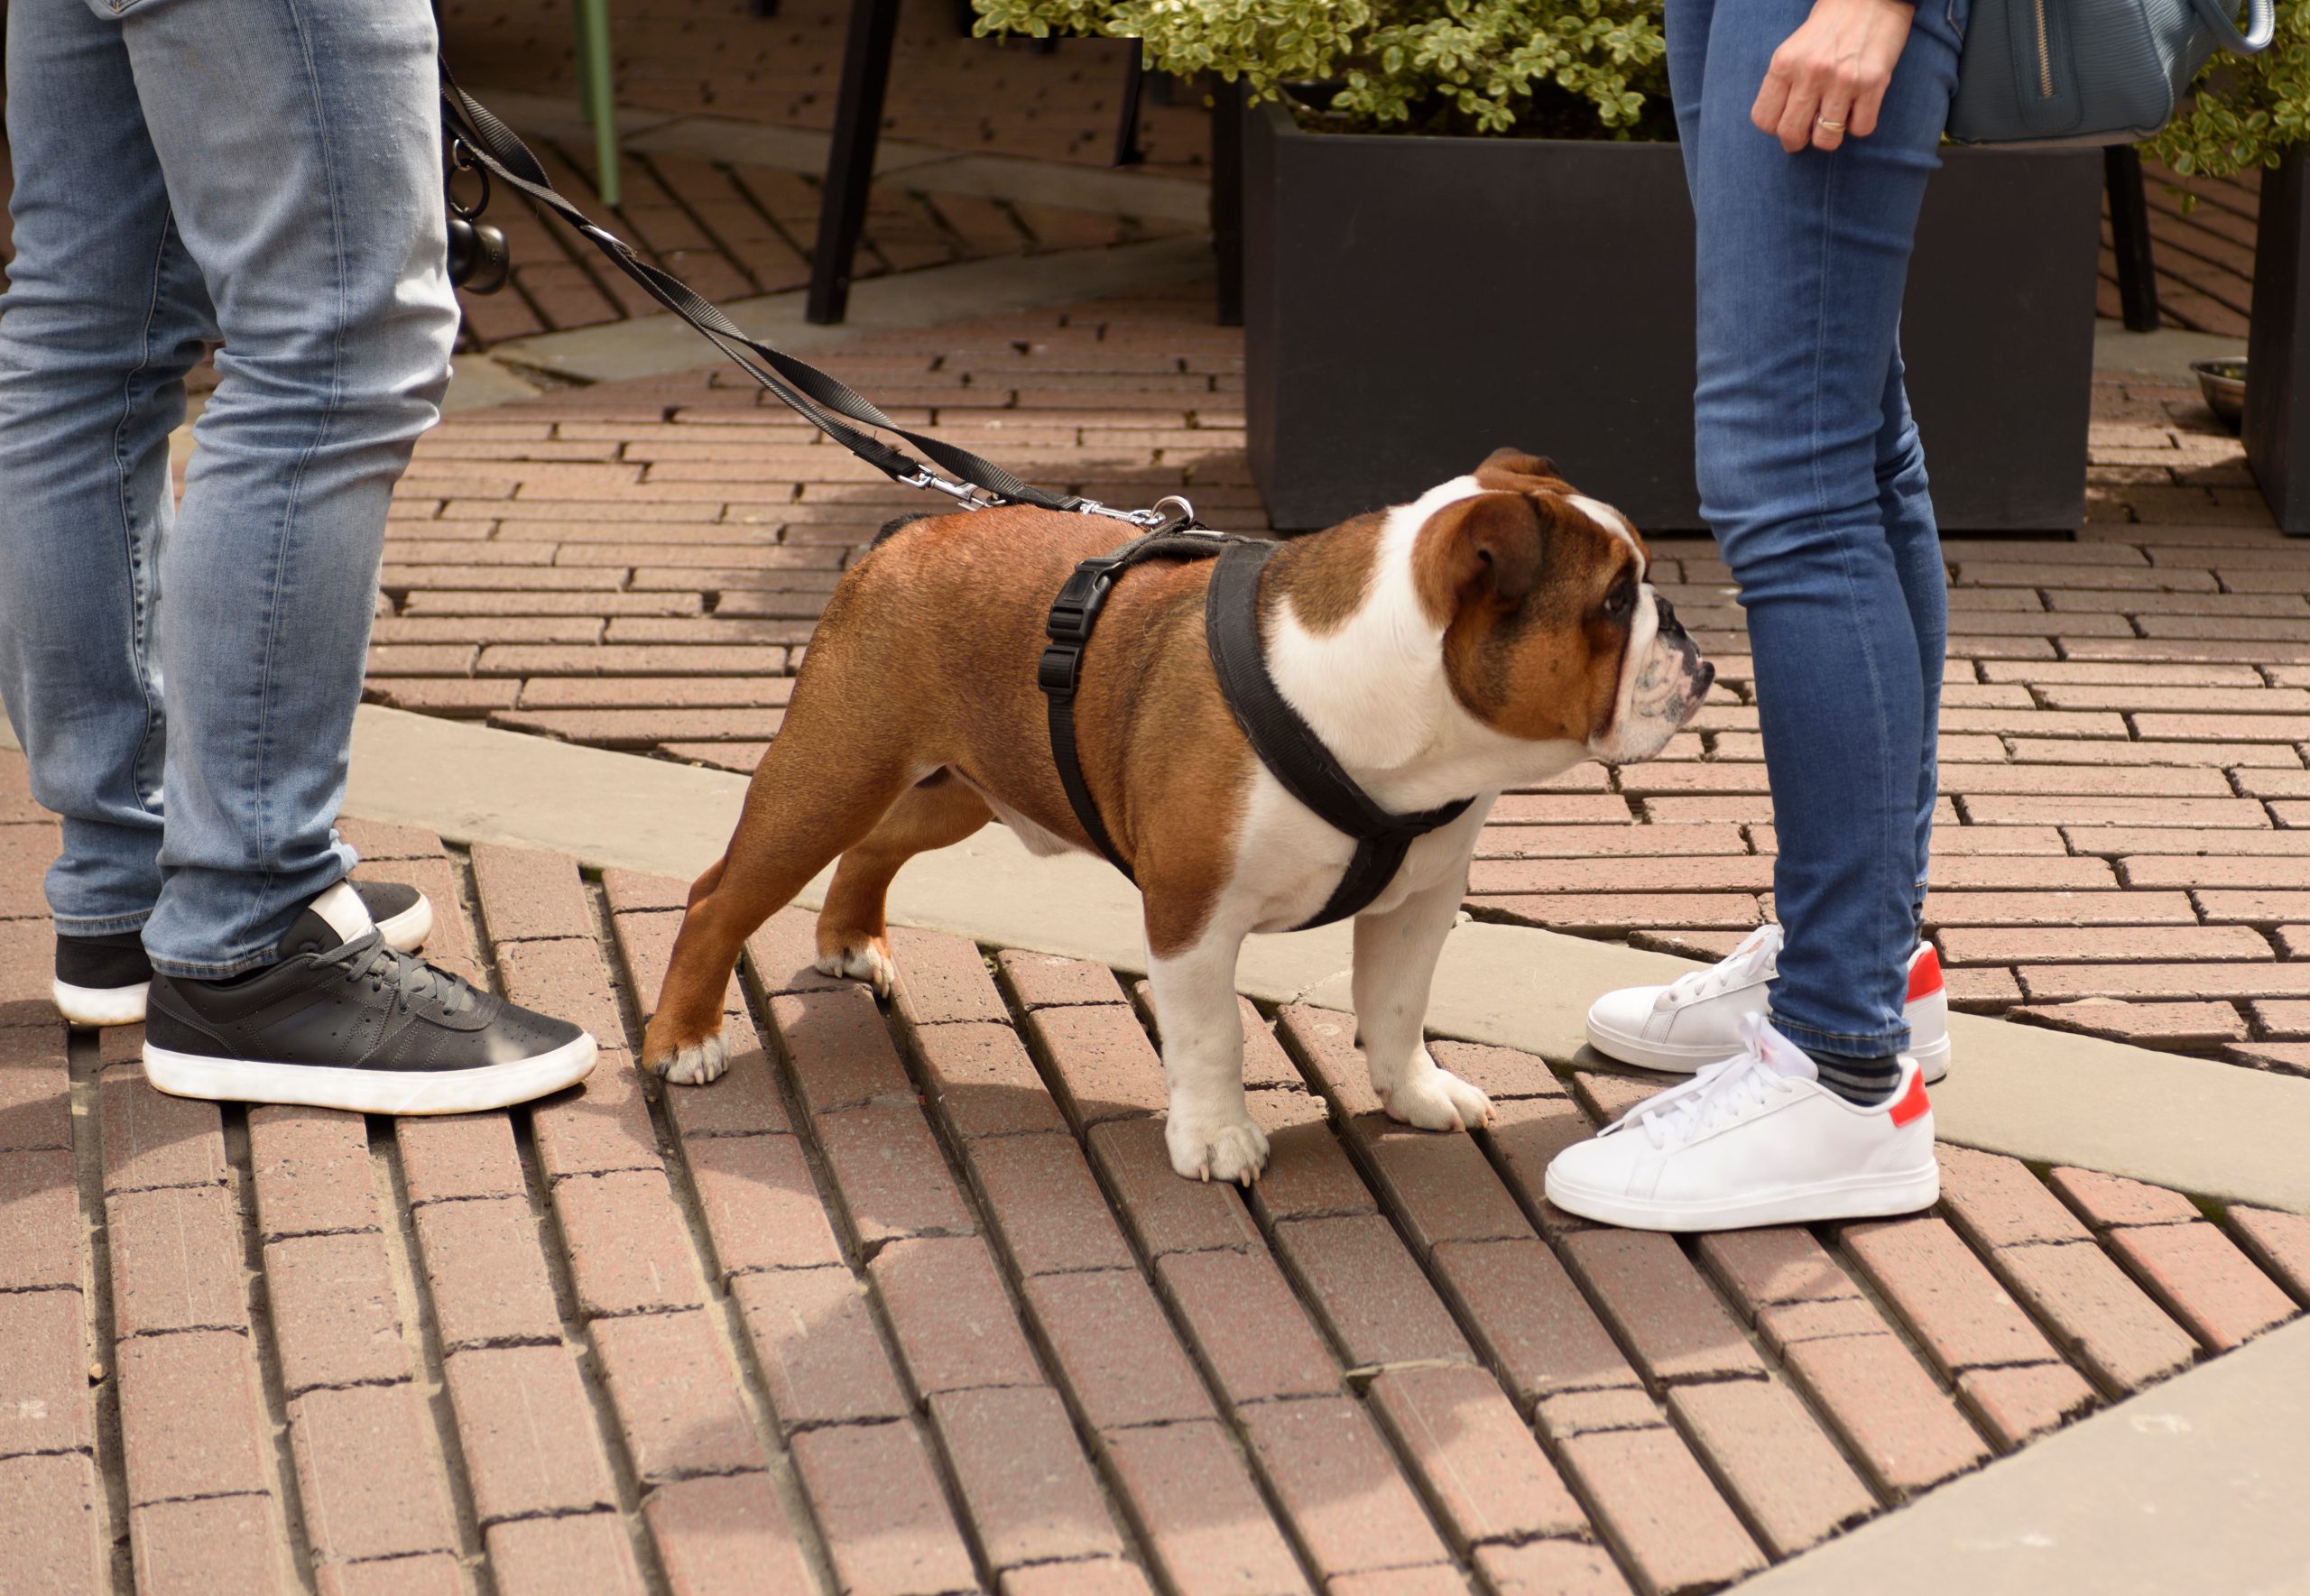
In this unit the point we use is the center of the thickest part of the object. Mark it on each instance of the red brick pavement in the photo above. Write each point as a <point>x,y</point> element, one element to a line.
<point>946,87</point>
<point>911,1302</point>
<point>640,566</point>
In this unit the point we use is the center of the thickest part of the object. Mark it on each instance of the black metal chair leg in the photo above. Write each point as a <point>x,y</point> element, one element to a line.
<point>850,162</point>
<point>1134,80</point>
<point>1228,197</point>
<point>2130,233</point>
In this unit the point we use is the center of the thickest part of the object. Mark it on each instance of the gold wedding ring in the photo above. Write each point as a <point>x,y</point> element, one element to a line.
<point>1825,125</point>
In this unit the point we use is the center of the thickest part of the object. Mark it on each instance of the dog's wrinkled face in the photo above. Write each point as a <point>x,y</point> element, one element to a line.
<point>1551,630</point>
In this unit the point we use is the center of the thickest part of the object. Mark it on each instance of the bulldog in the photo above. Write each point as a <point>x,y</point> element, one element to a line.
<point>1489,635</point>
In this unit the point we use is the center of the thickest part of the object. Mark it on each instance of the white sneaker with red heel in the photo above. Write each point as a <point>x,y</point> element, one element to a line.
<point>1754,1140</point>
<point>1696,1019</point>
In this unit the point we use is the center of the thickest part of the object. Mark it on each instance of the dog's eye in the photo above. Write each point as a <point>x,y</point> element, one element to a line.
<point>1620,599</point>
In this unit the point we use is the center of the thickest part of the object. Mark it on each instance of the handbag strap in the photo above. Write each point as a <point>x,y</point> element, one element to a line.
<point>2262,24</point>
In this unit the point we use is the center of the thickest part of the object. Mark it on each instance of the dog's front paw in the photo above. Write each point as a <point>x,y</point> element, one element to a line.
<point>1233,1150</point>
<point>694,1065</point>
<point>1435,1099</point>
<point>866,959</point>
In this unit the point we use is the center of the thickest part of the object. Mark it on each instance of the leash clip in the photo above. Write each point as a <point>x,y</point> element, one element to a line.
<point>962,493</point>
<point>1171,513</point>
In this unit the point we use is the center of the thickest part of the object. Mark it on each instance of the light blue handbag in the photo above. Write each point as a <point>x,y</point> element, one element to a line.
<point>2089,71</point>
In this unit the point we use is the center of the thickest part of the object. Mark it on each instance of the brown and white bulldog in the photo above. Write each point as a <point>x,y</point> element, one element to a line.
<point>1489,635</point>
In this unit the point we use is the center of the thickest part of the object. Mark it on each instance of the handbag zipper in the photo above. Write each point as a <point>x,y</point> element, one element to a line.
<point>2045,54</point>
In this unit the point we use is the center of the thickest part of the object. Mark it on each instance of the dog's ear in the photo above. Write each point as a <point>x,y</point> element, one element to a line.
<point>1517,462</point>
<point>1488,543</point>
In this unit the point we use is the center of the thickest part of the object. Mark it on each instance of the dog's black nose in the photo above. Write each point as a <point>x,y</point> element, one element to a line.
<point>1665,613</point>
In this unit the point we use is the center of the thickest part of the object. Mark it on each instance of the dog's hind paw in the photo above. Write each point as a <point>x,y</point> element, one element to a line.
<point>1235,1152</point>
<point>696,1066</point>
<point>867,961</point>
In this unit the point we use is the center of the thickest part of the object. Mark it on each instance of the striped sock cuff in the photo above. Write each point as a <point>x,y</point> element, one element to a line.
<point>1863,1081</point>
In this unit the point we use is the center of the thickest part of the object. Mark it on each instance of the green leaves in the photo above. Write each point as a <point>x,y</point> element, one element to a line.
<point>1458,65</point>
<point>2247,110</point>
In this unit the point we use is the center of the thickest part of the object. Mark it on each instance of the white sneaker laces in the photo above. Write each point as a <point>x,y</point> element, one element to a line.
<point>1719,1092</point>
<point>1744,967</point>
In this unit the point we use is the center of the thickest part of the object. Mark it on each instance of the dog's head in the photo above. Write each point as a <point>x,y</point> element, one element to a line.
<point>1550,628</point>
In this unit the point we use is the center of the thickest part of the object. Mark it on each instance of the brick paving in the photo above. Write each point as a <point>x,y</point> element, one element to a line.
<point>911,1303</point>
<point>946,87</point>
<point>2203,250</point>
<point>640,566</point>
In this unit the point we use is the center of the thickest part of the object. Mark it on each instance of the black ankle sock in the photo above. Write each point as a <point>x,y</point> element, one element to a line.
<point>1865,1082</point>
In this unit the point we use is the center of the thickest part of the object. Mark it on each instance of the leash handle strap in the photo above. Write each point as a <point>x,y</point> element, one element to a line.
<point>818,397</point>
<point>1288,746</point>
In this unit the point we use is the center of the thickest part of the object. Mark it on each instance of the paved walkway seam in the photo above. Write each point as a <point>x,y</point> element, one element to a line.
<point>2021,1090</point>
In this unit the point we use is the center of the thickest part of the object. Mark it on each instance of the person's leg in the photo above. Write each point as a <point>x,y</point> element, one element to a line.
<point>1802,260</point>
<point>1905,506</point>
<point>301,144</point>
<point>103,317</point>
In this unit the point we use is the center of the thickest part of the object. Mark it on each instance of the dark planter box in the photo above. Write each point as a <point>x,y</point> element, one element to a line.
<point>1411,303</point>
<point>2278,348</point>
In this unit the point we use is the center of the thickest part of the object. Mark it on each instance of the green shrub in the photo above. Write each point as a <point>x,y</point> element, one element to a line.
<point>2250,109</point>
<point>1564,68</point>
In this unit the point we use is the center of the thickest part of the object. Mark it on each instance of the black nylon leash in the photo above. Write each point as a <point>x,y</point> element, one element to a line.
<point>1281,737</point>
<point>480,137</point>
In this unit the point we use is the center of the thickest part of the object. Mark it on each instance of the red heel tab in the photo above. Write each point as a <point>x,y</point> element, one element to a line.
<point>1925,975</point>
<point>1912,1103</point>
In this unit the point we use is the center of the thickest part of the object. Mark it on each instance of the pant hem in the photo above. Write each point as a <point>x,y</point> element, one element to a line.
<point>109,926</point>
<point>1844,1043</point>
<point>224,972</point>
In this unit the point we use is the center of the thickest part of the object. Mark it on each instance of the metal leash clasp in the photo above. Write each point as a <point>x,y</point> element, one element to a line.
<point>962,493</point>
<point>1168,513</point>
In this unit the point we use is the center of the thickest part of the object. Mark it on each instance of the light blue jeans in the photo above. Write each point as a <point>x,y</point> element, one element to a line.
<point>267,172</point>
<point>1813,479</point>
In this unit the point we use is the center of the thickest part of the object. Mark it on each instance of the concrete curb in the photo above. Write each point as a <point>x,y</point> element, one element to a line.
<point>2213,1130</point>
<point>2194,1486</point>
<point>661,345</point>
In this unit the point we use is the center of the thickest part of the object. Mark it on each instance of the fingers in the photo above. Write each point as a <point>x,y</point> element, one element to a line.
<point>1772,98</point>
<point>1833,118</point>
<point>1862,120</point>
<point>1797,117</point>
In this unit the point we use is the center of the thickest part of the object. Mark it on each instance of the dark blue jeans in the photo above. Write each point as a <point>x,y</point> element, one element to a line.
<point>1812,478</point>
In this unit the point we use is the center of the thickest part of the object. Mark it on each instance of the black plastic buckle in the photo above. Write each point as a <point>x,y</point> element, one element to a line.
<point>1060,668</point>
<point>1080,599</point>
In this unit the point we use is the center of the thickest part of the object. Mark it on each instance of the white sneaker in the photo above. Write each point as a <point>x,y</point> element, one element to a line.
<point>1696,1019</point>
<point>1754,1140</point>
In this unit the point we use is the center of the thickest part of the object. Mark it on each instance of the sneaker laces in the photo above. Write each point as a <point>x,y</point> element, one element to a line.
<point>1746,964</point>
<point>411,979</point>
<point>1718,1092</point>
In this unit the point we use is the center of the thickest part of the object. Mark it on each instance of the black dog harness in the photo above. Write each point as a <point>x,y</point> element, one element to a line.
<point>1282,738</point>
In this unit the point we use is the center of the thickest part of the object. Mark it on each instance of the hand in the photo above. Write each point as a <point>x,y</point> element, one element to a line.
<point>1833,69</point>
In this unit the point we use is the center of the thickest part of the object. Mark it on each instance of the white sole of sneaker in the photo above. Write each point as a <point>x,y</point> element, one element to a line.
<point>1859,1196</point>
<point>370,1091</point>
<point>99,1005</point>
<point>1931,1059</point>
<point>406,932</point>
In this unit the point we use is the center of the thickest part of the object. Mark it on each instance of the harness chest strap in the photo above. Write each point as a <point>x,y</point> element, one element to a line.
<point>1285,743</point>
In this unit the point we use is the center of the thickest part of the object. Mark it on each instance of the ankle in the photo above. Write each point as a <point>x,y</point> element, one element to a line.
<point>1865,1082</point>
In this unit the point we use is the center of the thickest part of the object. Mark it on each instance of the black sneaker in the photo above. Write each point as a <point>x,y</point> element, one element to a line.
<point>101,979</point>
<point>346,1021</point>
